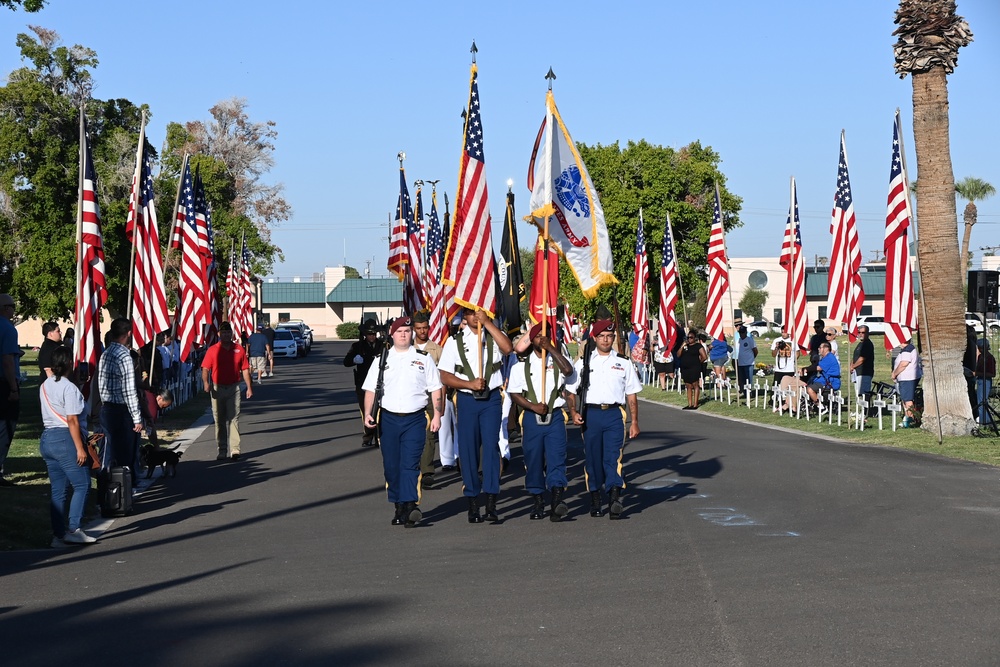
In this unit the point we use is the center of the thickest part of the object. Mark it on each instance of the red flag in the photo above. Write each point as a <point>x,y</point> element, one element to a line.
<point>667,325</point>
<point>92,291</point>
<point>149,300</point>
<point>544,299</point>
<point>718,273</point>
<point>640,302</point>
<point>468,263</point>
<point>796,318</point>
<point>844,281</point>
<point>900,314</point>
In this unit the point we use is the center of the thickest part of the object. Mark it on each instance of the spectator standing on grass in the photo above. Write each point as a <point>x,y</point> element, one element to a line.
<point>986,370</point>
<point>818,338</point>
<point>61,446</point>
<point>225,363</point>
<point>10,396</point>
<point>863,364</point>
<point>691,361</point>
<point>718,354</point>
<point>52,339</point>
<point>906,372</point>
<point>746,350</point>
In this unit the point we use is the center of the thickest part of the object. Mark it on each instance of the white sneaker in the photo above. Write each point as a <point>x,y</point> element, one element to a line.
<point>78,537</point>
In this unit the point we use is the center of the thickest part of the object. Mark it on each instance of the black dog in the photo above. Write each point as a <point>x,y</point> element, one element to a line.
<point>154,456</point>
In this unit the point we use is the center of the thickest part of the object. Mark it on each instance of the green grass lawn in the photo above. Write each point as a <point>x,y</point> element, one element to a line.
<point>24,521</point>
<point>982,450</point>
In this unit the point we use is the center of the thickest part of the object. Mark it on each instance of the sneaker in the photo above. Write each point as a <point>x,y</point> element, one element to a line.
<point>58,543</point>
<point>78,537</point>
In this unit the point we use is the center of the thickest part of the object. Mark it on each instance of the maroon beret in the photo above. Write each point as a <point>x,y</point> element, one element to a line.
<point>602,326</point>
<point>399,322</point>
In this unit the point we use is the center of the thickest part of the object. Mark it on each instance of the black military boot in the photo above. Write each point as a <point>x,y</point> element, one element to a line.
<point>615,509</point>
<point>397,519</point>
<point>538,511</point>
<point>559,507</point>
<point>491,508</point>
<point>412,514</point>
<point>595,504</point>
<point>474,511</point>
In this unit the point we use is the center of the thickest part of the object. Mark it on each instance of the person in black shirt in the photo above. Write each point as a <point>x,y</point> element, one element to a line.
<point>863,364</point>
<point>361,356</point>
<point>269,334</point>
<point>53,339</point>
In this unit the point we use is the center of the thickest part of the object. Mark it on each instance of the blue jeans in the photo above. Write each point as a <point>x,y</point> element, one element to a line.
<point>983,389</point>
<point>59,452</point>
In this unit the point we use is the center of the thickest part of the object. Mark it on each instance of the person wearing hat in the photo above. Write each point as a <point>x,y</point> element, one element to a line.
<point>471,363</point>
<point>225,363</point>
<point>905,373</point>
<point>259,351</point>
<point>613,382</point>
<point>746,354</point>
<point>360,357</point>
<point>407,377</point>
<point>540,395</point>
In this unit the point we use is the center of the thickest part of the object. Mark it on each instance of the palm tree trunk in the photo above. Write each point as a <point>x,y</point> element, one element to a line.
<point>970,220</point>
<point>940,280</point>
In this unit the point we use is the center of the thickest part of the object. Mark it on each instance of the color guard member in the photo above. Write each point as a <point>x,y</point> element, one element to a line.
<point>612,382</point>
<point>423,343</point>
<point>409,375</point>
<point>478,405</point>
<point>543,422</point>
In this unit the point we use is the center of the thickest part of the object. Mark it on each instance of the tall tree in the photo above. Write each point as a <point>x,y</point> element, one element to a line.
<point>971,189</point>
<point>29,5</point>
<point>658,179</point>
<point>930,35</point>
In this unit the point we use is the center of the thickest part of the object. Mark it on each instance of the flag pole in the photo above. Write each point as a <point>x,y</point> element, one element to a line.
<point>790,278</point>
<point>79,238</point>
<point>846,286</point>
<point>136,188</point>
<point>177,203</point>
<point>916,267</point>
<point>729,291</point>
<point>680,286</point>
<point>550,76</point>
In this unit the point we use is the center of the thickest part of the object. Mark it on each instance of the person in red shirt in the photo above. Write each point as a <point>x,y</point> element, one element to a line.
<point>225,363</point>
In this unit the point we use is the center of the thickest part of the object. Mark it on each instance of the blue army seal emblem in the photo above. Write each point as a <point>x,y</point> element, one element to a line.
<point>571,193</point>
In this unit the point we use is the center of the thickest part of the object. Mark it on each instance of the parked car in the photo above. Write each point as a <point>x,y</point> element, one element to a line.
<point>300,342</point>
<point>875,323</point>
<point>761,327</point>
<point>303,331</point>
<point>975,321</point>
<point>284,344</point>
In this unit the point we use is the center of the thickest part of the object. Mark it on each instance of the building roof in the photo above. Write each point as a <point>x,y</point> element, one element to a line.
<point>872,281</point>
<point>293,293</point>
<point>366,290</point>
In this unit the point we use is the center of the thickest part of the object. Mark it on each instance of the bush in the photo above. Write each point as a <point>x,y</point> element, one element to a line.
<point>349,331</point>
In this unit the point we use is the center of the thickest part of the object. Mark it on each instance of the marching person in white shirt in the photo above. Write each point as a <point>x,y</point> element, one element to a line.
<point>478,404</point>
<point>405,380</point>
<point>543,423</point>
<point>611,383</point>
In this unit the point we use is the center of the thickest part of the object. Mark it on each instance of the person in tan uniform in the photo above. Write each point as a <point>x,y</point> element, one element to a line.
<point>422,341</point>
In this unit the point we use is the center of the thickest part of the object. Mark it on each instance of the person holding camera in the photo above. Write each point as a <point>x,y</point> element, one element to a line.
<point>782,350</point>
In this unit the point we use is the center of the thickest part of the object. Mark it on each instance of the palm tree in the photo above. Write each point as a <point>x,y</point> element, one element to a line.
<point>930,35</point>
<point>971,189</point>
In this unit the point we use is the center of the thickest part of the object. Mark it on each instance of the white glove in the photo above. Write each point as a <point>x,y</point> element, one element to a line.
<point>358,359</point>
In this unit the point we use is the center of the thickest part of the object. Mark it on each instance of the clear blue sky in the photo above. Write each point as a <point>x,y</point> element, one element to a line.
<point>769,85</point>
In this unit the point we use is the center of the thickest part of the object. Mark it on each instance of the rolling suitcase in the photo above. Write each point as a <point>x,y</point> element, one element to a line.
<point>117,497</point>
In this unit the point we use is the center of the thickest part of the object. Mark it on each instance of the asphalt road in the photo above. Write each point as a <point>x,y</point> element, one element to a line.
<point>740,546</point>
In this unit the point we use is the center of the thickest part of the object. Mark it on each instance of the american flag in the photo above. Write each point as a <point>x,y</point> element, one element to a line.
<point>451,309</point>
<point>213,300</point>
<point>149,300</point>
<point>242,320</point>
<point>183,194</point>
<point>468,264</point>
<point>192,279</point>
<point>92,291</point>
<point>718,273</point>
<point>796,318</point>
<point>900,315</point>
<point>844,286</point>
<point>640,302</point>
<point>667,327</point>
<point>435,255</point>
<point>397,237</point>
<point>413,287</point>
<point>231,284</point>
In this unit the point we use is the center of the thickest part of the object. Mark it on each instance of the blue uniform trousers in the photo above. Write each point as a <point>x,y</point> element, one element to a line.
<point>603,439</point>
<point>479,442</point>
<point>544,451</point>
<point>402,443</point>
